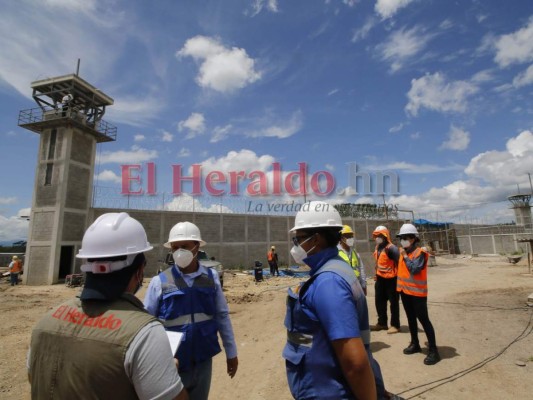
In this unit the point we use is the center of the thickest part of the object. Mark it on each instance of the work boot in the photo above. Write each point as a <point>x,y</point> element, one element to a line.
<point>378,327</point>
<point>433,357</point>
<point>393,330</point>
<point>412,348</point>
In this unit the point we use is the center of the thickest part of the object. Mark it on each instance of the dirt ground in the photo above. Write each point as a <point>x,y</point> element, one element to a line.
<point>477,306</point>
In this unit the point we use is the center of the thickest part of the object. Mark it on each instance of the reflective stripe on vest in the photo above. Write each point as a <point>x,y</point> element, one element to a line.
<point>414,285</point>
<point>187,319</point>
<point>190,310</point>
<point>354,262</point>
<point>386,268</point>
<point>357,291</point>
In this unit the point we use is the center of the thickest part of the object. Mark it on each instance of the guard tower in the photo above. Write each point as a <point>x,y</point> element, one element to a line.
<point>522,209</point>
<point>69,120</point>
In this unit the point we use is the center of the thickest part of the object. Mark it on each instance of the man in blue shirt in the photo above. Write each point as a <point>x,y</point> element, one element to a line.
<point>327,352</point>
<point>188,298</point>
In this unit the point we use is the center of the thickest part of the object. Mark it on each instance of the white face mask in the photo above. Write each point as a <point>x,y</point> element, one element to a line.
<point>405,243</point>
<point>379,240</point>
<point>183,257</point>
<point>298,253</point>
<point>349,242</point>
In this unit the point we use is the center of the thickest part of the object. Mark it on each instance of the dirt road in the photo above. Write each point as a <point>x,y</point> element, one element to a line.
<point>477,307</point>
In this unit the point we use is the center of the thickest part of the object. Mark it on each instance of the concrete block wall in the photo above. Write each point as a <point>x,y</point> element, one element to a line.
<point>238,240</point>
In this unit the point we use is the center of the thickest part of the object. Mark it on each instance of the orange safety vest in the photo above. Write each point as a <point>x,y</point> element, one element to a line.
<point>17,267</point>
<point>417,284</point>
<point>386,268</point>
<point>270,256</point>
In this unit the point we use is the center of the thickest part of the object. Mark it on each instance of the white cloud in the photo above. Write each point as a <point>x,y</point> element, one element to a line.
<point>387,8</point>
<point>402,45</point>
<point>108,176</point>
<point>435,93</point>
<point>482,76</point>
<point>167,137</point>
<point>134,111</point>
<point>221,133</point>
<point>350,3</point>
<point>258,5</point>
<point>410,168</point>
<point>458,139</point>
<point>280,129</point>
<point>332,92</point>
<point>13,228</point>
<point>222,69</point>
<point>361,33</point>
<point>134,156</point>
<point>184,152</point>
<point>524,78</point>
<point>415,136</point>
<point>491,177</point>
<point>194,124</point>
<point>7,200</point>
<point>516,47</point>
<point>139,138</point>
<point>91,31</point>
<point>186,202</point>
<point>330,167</point>
<point>242,160</point>
<point>396,128</point>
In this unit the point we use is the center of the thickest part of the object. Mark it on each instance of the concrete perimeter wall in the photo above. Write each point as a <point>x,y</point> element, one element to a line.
<point>491,244</point>
<point>237,240</point>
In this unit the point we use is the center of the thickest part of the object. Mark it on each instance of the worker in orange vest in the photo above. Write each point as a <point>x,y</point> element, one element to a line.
<point>386,255</point>
<point>413,288</point>
<point>272,258</point>
<point>15,268</point>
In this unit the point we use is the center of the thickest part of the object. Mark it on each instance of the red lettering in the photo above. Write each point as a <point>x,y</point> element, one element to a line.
<point>302,177</point>
<point>212,178</point>
<point>69,316</point>
<point>127,177</point>
<point>234,177</point>
<point>276,178</point>
<point>258,187</point>
<point>177,179</point>
<point>315,183</point>
<point>59,312</point>
<point>150,175</point>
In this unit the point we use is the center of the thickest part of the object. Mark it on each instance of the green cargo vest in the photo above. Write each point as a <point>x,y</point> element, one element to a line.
<point>78,349</point>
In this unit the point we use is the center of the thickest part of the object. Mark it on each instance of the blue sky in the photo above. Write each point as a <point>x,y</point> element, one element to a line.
<point>437,91</point>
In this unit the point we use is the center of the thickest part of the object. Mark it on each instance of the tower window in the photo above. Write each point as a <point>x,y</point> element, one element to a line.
<point>52,144</point>
<point>48,174</point>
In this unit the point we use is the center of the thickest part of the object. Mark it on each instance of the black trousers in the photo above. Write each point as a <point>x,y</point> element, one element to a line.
<point>416,308</point>
<point>273,268</point>
<point>385,290</point>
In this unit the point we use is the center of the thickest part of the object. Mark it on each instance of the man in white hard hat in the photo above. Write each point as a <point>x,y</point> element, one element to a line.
<point>413,288</point>
<point>327,354</point>
<point>188,298</point>
<point>104,345</point>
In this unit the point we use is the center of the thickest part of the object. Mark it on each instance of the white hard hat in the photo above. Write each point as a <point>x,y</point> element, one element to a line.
<point>112,235</point>
<point>184,231</point>
<point>317,214</point>
<point>408,229</point>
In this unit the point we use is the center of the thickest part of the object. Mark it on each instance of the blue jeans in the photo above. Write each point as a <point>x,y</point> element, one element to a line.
<point>197,380</point>
<point>14,279</point>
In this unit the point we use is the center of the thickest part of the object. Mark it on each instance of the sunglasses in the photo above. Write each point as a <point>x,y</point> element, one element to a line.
<point>297,240</point>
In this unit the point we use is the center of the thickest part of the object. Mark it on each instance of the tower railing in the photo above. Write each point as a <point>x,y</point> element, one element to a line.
<point>33,117</point>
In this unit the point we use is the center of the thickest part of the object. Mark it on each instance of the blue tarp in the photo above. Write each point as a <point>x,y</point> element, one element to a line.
<point>426,222</point>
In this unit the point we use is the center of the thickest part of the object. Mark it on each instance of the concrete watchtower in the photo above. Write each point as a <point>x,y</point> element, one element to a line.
<point>522,209</point>
<point>69,120</point>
